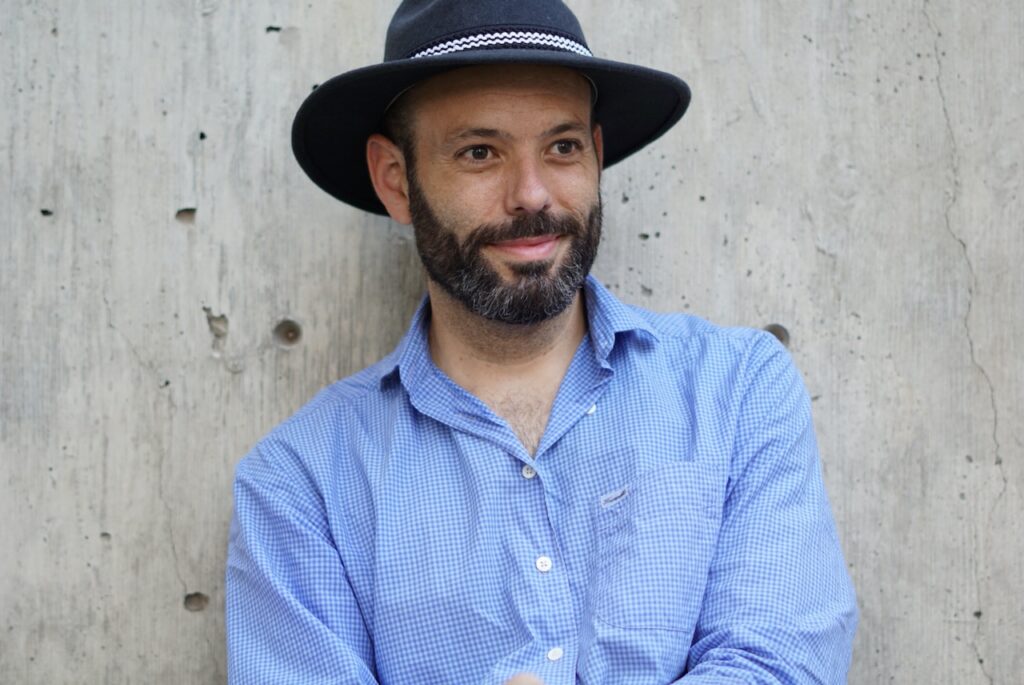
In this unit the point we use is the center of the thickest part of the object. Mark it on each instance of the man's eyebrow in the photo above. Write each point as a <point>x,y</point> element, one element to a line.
<point>467,133</point>
<point>479,133</point>
<point>567,127</point>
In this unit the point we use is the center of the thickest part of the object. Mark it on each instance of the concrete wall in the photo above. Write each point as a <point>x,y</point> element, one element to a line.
<point>849,169</point>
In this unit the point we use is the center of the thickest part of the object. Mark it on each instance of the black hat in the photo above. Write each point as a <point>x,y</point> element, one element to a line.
<point>634,104</point>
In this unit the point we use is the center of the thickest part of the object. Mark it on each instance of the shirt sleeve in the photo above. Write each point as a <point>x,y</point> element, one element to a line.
<point>779,607</point>
<point>291,613</point>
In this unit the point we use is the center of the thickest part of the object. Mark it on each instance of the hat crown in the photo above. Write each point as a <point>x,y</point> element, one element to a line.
<point>420,24</point>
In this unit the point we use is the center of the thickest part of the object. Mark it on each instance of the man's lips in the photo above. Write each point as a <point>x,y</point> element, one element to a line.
<point>534,248</point>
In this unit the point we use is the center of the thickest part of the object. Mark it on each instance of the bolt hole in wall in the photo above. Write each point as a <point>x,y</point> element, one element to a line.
<point>196,601</point>
<point>186,215</point>
<point>779,331</point>
<point>287,333</point>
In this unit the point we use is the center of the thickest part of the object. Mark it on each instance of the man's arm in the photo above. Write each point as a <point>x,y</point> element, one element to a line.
<point>291,613</point>
<point>779,607</point>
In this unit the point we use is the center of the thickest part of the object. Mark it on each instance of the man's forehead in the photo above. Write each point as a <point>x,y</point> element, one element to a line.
<point>494,81</point>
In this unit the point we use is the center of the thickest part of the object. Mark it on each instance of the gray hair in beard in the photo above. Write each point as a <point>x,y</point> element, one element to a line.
<point>541,291</point>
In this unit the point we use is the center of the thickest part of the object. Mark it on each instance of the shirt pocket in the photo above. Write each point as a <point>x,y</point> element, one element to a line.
<point>655,538</point>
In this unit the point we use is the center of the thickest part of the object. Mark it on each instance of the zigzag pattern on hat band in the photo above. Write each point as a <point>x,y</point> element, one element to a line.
<point>503,38</point>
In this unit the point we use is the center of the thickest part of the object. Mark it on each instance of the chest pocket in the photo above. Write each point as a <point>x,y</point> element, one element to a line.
<point>654,541</point>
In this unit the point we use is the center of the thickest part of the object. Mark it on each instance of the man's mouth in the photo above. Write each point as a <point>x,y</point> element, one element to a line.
<point>529,249</point>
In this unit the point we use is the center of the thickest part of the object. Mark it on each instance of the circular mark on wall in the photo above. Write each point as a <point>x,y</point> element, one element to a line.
<point>779,331</point>
<point>196,601</point>
<point>287,333</point>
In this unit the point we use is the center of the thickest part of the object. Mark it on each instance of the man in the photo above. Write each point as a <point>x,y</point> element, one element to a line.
<point>540,484</point>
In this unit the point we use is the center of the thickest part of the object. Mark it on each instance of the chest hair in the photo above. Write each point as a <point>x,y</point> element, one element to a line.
<point>526,413</point>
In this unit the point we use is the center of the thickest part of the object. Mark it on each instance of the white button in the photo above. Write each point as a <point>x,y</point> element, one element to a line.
<point>555,653</point>
<point>592,409</point>
<point>528,471</point>
<point>543,564</point>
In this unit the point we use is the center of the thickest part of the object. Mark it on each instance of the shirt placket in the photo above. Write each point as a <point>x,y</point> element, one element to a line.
<point>549,612</point>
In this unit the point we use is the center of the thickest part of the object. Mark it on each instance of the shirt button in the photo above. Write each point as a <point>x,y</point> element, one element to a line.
<point>555,653</point>
<point>528,471</point>
<point>592,409</point>
<point>543,564</point>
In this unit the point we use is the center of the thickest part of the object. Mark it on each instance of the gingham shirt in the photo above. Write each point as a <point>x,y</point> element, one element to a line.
<point>673,526</point>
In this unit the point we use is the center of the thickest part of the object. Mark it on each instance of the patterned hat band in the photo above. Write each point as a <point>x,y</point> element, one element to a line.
<point>506,39</point>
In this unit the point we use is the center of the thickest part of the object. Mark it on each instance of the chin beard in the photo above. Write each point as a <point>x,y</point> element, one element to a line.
<point>540,289</point>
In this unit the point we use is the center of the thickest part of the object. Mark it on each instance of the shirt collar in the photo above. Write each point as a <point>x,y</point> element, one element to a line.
<point>606,318</point>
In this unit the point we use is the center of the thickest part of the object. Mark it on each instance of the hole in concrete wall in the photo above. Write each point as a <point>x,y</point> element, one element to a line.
<point>287,333</point>
<point>46,212</point>
<point>196,601</point>
<point>105,536</point>
<point>218,323</point>
<point>186,215</point>
<point>779,331</point>
<point>273,29</point>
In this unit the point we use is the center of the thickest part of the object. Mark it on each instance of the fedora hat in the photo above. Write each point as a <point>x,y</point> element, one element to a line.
<point>634,104</point>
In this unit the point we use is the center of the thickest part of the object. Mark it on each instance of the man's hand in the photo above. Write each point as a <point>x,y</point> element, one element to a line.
<point>524,679</point>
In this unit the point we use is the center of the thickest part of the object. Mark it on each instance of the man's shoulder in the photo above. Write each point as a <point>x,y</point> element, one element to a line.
<point>330,418</point>
<point>679,333</point>
<point>687,333</point>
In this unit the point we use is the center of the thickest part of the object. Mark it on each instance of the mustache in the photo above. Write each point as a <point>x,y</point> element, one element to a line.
<point>528,226</point>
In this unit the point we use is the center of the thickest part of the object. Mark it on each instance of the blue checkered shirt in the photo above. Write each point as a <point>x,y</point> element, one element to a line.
<point>672,527</point>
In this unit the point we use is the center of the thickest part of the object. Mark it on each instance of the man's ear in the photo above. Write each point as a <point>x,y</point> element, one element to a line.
<point>386,165</point>
<point>599,145</point>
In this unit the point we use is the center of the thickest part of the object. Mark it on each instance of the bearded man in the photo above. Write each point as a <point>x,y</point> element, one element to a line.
<point>540,484</point>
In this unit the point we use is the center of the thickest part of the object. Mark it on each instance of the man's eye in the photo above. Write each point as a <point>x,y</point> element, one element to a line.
<point>478,153</point>
<point>566,147</point>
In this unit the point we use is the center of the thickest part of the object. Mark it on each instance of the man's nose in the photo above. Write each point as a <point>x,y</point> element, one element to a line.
<point>528,191</point>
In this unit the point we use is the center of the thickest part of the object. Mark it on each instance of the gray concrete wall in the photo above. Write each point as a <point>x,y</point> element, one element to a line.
<point>849,169</point>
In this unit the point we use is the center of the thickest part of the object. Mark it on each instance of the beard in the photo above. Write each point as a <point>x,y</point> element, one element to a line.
<point>540,289</point>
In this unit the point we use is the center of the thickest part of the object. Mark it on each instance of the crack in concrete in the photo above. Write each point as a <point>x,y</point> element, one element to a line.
<point>149,366</point>
<point>213,655</point>
<point>169,512</point>
<point>953,198</point>
<point>977,655</point>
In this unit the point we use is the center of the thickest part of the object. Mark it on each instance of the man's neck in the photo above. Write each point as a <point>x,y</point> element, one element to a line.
<point>465,344</point>
<point>514,369</point>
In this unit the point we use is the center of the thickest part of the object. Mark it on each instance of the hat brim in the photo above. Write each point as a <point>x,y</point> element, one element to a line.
<point>635,105</point>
